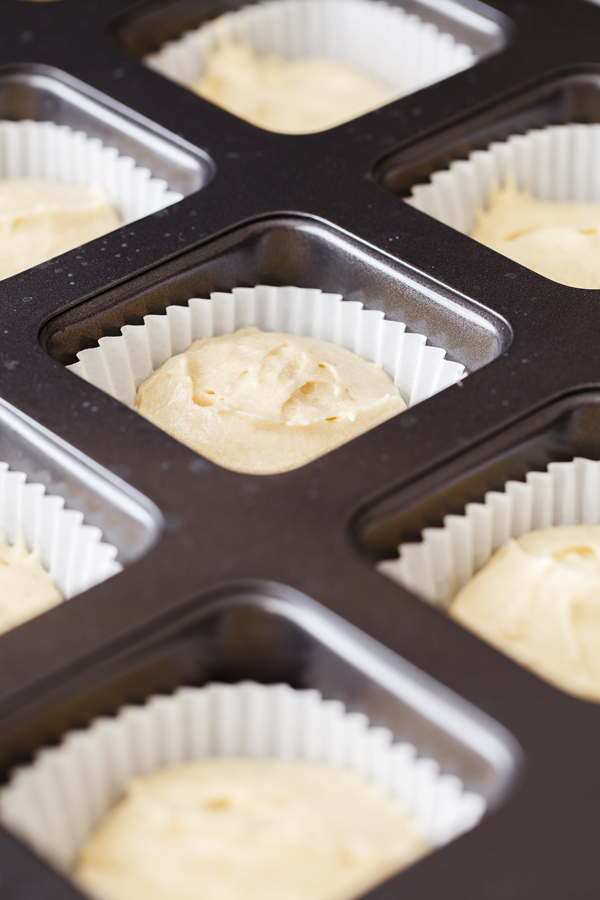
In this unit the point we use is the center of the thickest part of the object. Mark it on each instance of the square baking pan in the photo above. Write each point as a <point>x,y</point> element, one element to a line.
<point>219,565</point>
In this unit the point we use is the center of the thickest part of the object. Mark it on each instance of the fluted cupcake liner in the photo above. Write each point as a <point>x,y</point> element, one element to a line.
<point>46,150</point>
<point>380,40</point>
<point>568,493</point>
<point>56,802</point>
<point>74,554</point>
<point>560,162</point>
<point>121,363</point>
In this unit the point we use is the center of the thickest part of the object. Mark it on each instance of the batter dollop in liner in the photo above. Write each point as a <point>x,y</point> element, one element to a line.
<point>538,600</point>
<point>41,218</point>
<point>266,402</point>
<point>299,68</point>
<point>522,571</point>
<point>560,240</point>
<point>266,379</point>
<point>259,791</point>
<point>26,588</point>
<point>535,198</point>
<point>47,552</point>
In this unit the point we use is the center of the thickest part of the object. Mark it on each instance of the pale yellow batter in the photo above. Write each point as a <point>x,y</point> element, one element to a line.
<point>296,96</point>
<point>40,219</point>
<point>558,240</point>
<point>26,589</point>
<point>266,402</point>
<point>246,829</point>
<point>538,600</point>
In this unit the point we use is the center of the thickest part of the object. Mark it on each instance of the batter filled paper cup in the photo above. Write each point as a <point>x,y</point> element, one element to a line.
<point>73,553</point>
<point>46,150</point>
<point>559,163</point>
<point>568,493</point>
<point>121,363</point>
<point>396,48</point>
<point>55,803</point>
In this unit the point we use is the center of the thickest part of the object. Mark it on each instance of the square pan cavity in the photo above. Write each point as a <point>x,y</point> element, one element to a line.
<point>555,433</point>
<point>571,98</point>
<point>127,519</point>
<point>271,634</point>
<point>43,93</point>
<point>284,250</point>
<point>145,29</point>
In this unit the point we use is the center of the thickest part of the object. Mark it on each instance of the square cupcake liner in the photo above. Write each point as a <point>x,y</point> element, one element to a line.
<point>56,802</point>
<point>73,553</point>
<point>568,493</point>
<point>559,163</point>
<point>121,363</point>
<point>395,47</point>
<point>31,149</point>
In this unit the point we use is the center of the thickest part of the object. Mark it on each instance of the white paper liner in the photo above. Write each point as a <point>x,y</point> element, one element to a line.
<point>121,363</point>
<point>73,553</point>
<point>55,803</point>
<point>385,42</point>
<point>46,150</point>
<point>568,493</point>
<point>560,162</point>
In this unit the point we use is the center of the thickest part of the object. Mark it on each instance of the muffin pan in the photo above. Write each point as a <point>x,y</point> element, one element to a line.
<point>202,546</point>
